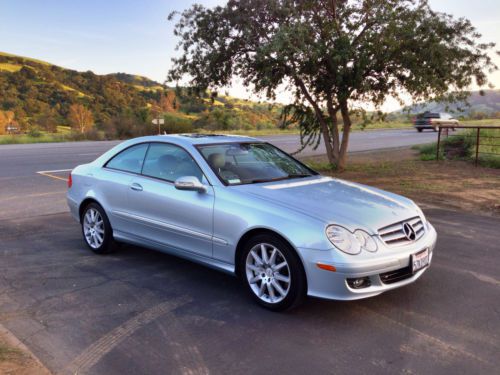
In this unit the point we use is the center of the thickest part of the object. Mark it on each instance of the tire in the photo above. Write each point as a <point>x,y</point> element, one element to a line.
<point>274,288</point>
<point>419,130</point>
<point>96,229</point>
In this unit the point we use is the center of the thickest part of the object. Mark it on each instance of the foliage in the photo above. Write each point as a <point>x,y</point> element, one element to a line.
<point>40,94</point>
<point>462,146</point>
<point>6,118</point>
<point>330,55</point>
<point>80,118</point>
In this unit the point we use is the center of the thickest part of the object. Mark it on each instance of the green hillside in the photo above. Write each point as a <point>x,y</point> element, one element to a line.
<point>41,95</point>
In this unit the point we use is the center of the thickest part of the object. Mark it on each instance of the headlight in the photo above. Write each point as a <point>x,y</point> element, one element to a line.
<point>365,240</point>
<point>350,243</point>
<point>343,240</point>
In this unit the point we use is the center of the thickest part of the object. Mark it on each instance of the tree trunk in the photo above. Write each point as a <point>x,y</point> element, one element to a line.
<point>325,131</point>
<point>334,131</point>
<point>344,110</point>
<point>330,152</point>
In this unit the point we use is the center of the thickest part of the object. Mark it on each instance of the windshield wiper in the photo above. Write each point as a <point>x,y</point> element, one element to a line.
<point>299,175</point>
<point>258,180</point>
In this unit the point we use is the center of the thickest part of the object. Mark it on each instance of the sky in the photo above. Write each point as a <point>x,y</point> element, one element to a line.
<point>134,36</point>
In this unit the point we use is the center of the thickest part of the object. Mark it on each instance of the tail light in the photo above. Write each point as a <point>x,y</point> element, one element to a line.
<point>70,181</point>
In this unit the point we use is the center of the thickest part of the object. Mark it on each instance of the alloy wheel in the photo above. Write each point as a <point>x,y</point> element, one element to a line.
<point>268,273</point>
<point>93,228</point>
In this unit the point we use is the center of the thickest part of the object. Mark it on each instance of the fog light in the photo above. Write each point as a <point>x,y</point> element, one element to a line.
<point>359,282</point>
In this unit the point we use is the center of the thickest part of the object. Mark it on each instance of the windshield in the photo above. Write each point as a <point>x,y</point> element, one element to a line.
<point>249,163</point>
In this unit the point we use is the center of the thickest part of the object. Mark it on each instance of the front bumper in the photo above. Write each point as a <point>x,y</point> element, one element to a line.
<point>387,269</point>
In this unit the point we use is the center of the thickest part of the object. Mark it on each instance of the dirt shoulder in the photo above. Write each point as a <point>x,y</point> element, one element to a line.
<point>16,359</point>
<point>450,184</point>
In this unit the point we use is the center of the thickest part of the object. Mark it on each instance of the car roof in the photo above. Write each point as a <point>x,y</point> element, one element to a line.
<point>199,138</point>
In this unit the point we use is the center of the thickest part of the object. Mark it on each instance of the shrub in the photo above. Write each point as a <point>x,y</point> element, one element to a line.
<point>34,131</point>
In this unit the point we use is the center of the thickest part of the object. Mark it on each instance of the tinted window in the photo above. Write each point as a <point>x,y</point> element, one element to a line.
<point>129,160</point>
<point>431,115</point>
<point>169,162</point>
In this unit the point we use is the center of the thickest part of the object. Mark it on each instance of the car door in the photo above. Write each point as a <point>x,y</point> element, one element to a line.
<point>114,183</point>
<point>175,218</point>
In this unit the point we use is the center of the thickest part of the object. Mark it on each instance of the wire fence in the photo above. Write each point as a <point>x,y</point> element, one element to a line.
<point>469,141</point>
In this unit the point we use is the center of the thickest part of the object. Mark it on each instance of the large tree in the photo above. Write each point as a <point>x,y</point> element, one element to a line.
<point>331,55</point>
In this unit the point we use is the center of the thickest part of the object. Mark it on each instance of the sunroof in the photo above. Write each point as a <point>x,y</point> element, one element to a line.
<point>201,135</point>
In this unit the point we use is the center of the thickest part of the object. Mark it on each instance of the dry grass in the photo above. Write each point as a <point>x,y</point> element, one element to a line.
<point>15,361</point>
<point>454,184</point>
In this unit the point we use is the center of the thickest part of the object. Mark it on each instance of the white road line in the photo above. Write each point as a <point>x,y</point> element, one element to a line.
<point>55,171</point>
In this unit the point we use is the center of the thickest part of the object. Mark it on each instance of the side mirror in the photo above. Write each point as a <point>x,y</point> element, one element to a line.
<point>190,183</point>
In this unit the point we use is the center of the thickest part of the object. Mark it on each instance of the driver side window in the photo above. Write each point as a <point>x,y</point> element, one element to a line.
<point>169,162</point>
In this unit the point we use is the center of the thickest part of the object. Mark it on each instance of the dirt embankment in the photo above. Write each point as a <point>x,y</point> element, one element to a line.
<point>16,359</point>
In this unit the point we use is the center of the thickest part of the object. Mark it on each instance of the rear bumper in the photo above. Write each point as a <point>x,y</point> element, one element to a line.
<point>73,208</point>
<point>388,270</point>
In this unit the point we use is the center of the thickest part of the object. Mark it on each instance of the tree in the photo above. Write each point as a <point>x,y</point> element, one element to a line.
<point>169,102</point>
<point>331,55</point>
<point>6,118</point>
<point>47,120</point>
<point>80,118</point>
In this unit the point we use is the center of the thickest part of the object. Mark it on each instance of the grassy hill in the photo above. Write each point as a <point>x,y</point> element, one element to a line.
<point>41,94</point>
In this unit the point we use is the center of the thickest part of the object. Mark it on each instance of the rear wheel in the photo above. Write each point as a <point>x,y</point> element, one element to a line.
<point>96,230</point>
<point>273,273</point>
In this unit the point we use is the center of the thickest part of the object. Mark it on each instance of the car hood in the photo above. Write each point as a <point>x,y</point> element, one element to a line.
<point>336,201</point>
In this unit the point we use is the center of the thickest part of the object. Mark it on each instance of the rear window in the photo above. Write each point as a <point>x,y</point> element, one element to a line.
<point>130,159</point>
<point>431,115</point>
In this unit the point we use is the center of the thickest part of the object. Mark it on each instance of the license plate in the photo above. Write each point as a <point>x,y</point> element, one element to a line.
<point>419,260</point>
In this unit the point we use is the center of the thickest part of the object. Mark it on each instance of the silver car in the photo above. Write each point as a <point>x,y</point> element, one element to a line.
<point>245,207</point>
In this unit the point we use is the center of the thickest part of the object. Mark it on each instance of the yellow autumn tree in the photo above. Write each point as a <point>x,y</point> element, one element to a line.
<point>6,118</point>
<point>80,118</point>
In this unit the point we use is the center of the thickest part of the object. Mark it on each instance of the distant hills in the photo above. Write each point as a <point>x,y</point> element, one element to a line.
<point>41,93</point>
<point>486,105</point>
<point>32,88</point>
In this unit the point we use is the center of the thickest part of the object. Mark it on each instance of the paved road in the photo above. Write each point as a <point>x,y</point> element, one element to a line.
<point>143,312</point>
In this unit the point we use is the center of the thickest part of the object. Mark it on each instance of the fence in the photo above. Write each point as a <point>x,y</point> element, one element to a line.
<point>483,140</point>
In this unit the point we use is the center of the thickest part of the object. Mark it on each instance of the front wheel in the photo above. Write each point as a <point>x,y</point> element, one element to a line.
<point>273,273</point>
<point>96,230</point>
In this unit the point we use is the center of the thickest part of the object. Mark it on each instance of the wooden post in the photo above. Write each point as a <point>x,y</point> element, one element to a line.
<point>439,140</point>
<point>477,146</point>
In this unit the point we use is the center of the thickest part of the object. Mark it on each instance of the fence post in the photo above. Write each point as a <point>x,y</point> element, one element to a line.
<point>477,146</point>
<point>439,140</point>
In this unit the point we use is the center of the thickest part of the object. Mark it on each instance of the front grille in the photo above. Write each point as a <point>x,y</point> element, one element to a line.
<point>392,277</point>
<point>394,234</point>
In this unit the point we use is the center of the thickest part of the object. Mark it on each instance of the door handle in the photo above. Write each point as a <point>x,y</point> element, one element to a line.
<point>135,186</point>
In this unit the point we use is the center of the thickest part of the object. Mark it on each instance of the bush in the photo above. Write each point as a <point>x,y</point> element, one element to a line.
<point>34,131</point>
<point>174,124</point>
<point>458,147</point>
<point>463,147</point>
